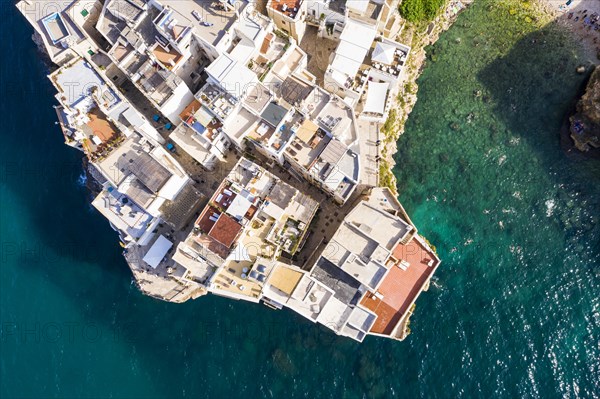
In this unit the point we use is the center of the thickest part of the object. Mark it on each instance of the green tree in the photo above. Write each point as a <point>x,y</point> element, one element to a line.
<point>420,10</point>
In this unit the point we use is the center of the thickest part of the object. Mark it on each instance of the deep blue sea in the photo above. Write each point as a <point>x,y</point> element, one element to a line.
<point>514,310</point>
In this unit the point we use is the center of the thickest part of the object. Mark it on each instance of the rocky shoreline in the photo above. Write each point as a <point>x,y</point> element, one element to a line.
<point>581,131</point>
<point>419,36</point>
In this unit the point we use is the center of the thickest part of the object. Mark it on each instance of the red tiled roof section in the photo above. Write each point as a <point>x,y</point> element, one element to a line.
<point>223,196</point>
<point>291,4</point>
<point>226,230</point>
<point>190,110</point>
<point>212,245</point>
<point>400,287</point>
<point>266,43</point>
<point>204,222</point>
<point>100,126</point>
<point>167,58</point>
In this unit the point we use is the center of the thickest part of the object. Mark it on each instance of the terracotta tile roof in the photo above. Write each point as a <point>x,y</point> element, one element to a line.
<point>266,43</point>
<point>167,58</point>
<point>251,211</point>
<point>190,110</point>
<point>204,222</point>
<point>291,4</point>
<point>225,230</point>
<point>213,245</point>
<point>100,126</point>
<point>400,287</point>
<point>223,196</point>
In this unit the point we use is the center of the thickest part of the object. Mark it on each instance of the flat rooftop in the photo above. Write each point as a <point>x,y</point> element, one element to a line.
<point>284,67</point>
<point>242,124</point>
<point>185,137</point>
<point>127,10</point>
<point>111,26</point>
<point>257,98</point>
<point>287,7</point>
<point>336,118</point>
<point>274,114</point>
<point>400,287</point>
<point>384,228</point>
<point>345,287</point>
<point>218,18</point>
<point>76,81</point>
<point>145,168</point>
<point>120,51</point>
<point>285,279</point>
<point>179,212</point>
<point>294,91</point>
<point>281,194</point>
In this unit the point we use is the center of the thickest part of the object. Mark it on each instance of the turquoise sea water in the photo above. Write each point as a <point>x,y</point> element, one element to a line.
<point>514,310</point>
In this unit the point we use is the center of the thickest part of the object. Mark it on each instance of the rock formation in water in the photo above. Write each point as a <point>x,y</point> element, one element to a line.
<point>585,123</point>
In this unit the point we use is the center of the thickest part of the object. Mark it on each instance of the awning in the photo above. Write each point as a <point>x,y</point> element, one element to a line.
<point>358,33</point>
<point>238,207</point>
<point>376,96</point>
<point>203,116</point>
<point>346,65</point>
<point>307,131</point>
<point>158,251</point>
<point>383,53</point>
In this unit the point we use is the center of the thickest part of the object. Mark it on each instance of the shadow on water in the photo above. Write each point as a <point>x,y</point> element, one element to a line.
<point>534,85</point>
<point>533,89</point>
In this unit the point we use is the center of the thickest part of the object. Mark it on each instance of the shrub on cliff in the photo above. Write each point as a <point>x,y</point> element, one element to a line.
<point>420,10</point>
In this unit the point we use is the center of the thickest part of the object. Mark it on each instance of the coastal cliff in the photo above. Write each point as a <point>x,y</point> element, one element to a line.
<point>420,35</point>
<point>585,123</point>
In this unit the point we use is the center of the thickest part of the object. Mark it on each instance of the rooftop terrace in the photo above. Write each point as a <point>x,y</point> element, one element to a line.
<point>401,286</point>
<point>345,287</point>
<point>126,10</point>
<point>308,144</point>
<point>123,213</point>
<point>169,58</point>
<point>384,228</point>
<point>77,81</point>
<point>287,7</point>
<point>217,18</point>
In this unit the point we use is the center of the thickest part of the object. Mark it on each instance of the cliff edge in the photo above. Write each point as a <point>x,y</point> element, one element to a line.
<point>585,123</point>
